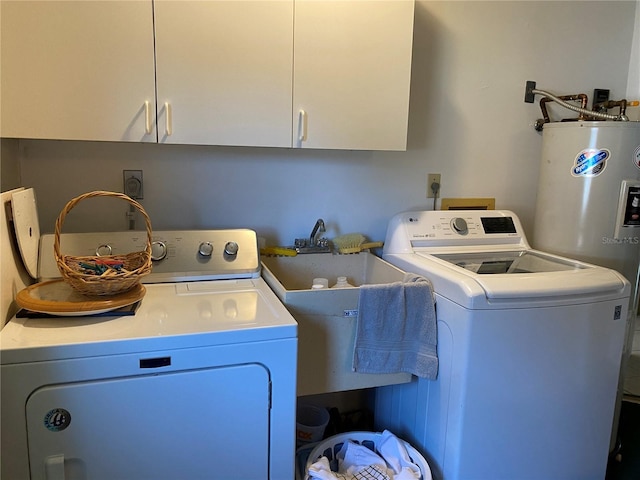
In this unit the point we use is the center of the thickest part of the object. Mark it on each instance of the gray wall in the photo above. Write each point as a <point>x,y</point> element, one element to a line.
<point>467,121</point>
<point>10,166</point>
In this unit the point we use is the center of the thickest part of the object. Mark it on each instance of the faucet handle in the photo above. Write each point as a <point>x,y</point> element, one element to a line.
<point>322,242</point>
<point>301,242</point>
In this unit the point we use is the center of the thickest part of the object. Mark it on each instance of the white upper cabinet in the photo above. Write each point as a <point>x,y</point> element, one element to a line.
<point>352,70</point>
<point>224,72</point>
<point>279,73</point>
<point>80,70</point>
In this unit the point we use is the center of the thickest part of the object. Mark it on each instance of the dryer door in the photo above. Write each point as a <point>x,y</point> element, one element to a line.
<point>209,423</point>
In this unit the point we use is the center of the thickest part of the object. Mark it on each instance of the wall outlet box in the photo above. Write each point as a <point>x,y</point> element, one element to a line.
<point>132,180</point>
<point>433,185</point>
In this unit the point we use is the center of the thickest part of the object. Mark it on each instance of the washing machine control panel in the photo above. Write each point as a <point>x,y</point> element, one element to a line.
<point>453,227</point>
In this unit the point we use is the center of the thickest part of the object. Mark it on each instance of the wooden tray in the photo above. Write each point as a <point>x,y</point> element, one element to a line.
<point>57,297</point>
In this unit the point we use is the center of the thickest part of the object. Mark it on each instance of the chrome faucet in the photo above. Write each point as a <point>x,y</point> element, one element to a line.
<point>314,244</point>
<point>317,228</point>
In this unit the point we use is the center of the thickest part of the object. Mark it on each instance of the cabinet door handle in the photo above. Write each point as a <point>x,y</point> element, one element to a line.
<point>302,126</point>
<point>169,119</point>
<point>147,117</point>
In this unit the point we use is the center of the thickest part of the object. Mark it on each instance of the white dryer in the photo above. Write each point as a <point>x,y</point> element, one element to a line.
<point>198,383</point>
<point>529,346</point>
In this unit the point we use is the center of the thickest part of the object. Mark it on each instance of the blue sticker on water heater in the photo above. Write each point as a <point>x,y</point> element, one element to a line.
<point>590,162</point>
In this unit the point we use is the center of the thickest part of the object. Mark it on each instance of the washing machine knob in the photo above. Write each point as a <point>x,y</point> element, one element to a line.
<point>158,250</point>
<point>231,248</point>
<point>205,249</point>
<point>459,225</point>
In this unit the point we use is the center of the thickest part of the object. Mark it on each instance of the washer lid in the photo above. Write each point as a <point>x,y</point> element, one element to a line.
<point>528,274</point>
<point>508,280</point>
<point>522,261</point>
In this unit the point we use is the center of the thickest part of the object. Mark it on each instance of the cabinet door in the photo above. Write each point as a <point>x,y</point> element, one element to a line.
<point>224,72</point>
<point>78,70</point>
<point>352,69</point>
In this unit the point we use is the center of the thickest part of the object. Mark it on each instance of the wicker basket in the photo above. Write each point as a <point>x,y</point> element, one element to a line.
<point>112,281</point>
<point>332,445</point>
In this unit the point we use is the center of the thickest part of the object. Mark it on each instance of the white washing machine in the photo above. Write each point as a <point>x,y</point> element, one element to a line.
<point>529,346</point>
<point>198,383</point>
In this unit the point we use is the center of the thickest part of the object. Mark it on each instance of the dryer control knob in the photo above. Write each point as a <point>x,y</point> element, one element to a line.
<point>104,249</point>
<point>231,248</point>
<point>205,249</point>
<point>459,225</point>
<point>158,250</point>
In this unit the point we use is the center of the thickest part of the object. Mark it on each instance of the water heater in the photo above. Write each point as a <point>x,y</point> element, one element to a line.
<point>588,203</point>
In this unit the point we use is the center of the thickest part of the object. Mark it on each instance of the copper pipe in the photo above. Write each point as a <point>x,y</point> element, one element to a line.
<point>604,106</point>
<point>579,96</point>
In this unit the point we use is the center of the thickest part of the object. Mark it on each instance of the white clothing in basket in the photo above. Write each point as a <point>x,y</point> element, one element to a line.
<point>357,462</point>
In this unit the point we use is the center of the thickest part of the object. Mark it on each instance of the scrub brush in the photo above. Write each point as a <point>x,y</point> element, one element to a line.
<point>278,251</point>
<point>353,243</point>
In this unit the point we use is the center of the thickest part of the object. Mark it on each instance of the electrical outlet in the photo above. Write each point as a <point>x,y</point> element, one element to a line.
<point>433,185</point>
<point>133,183</point>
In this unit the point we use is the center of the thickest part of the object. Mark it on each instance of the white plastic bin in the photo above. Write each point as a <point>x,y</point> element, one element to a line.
<point>311,422</point>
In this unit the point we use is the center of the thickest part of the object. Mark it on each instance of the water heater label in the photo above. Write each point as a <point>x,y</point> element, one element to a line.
<point>636,157</point>
<point>590,162</point>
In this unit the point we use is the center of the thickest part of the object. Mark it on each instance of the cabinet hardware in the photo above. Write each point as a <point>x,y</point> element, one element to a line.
<point>169,120</point>
<point>302,126</point>
<point>147,118</point>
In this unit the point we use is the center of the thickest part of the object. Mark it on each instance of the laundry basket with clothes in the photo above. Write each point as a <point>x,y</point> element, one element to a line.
<point>366,456</point>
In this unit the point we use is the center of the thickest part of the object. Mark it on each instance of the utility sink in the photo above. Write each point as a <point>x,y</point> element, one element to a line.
<point>327,317</point>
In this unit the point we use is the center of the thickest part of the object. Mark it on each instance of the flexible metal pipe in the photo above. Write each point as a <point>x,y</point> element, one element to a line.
<point>602,116</point>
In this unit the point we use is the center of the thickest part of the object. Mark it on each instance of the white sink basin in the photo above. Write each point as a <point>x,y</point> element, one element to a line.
<point>327,317</point>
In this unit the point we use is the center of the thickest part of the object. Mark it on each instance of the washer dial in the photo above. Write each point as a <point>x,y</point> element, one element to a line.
<point>459,225</point>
